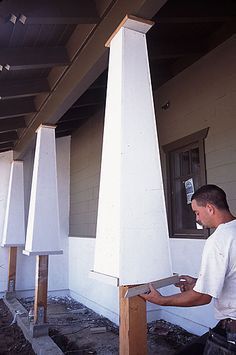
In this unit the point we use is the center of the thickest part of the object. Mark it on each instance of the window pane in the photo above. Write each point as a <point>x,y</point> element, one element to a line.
<point>176,164</point>
<point>185,160</point>
<point>195,160</point>
<point>184,216</point>
<point>186,169</point>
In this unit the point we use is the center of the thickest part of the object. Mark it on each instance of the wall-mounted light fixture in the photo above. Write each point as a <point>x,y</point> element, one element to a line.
<point>13,19</point>
<point>5,66</point>
<point>22,19</point>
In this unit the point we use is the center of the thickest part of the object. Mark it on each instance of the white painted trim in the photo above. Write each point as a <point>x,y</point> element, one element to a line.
<point>114,317</point>
<point>52,252</point>
<point>111,280</point>
<point>138,290</point>
<point>187,324</point>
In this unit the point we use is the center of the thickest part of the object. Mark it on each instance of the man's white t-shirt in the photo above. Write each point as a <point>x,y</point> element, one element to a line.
<point>217,276</point>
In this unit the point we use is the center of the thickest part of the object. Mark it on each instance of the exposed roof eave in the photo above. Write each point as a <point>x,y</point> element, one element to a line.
<point>89,62</point>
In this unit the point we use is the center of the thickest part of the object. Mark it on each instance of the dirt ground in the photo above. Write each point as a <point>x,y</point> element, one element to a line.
<point>12,340</point>
<point>79,331</point>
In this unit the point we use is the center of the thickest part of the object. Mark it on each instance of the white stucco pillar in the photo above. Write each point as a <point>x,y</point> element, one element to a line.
<point>14,223</point>
<point>5,169</point>
<point>132,243</point>
<point>43,232</point>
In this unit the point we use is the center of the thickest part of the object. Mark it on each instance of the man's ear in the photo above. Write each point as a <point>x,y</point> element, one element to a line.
<point>210,208</point>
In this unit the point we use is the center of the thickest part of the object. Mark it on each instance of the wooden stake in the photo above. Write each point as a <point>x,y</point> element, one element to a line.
<point>133,324</point>
<point>12,269</point>
<point>41,289</point>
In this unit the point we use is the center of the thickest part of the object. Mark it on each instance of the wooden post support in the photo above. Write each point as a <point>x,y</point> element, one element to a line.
<point>133,324</point>
<point>12,269</point>
<point>40,301</point>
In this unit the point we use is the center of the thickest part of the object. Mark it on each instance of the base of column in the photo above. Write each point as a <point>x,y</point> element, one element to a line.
<point>39,330</point>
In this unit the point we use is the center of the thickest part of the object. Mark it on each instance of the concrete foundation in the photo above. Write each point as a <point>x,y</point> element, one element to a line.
<point>41,343</point>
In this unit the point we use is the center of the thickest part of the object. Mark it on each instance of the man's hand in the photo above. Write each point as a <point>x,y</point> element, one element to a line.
<point>153,296</point>
<point>186,283</point>
<point>185,299</point>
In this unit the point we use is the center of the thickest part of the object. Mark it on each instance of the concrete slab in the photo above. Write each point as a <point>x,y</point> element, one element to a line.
<point>42,345</point>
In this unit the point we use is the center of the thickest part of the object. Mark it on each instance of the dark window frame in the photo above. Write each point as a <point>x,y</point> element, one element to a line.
<point>191,141</point>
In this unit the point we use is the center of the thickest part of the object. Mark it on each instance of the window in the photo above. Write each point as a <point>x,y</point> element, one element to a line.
<point>185,174</point>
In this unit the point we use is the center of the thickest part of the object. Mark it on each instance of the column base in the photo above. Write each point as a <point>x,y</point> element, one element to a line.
<point>9,295</point>
<point>39,330</point>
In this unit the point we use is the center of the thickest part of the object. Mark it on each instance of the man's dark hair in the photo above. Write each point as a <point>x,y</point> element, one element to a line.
<point>211,194</point>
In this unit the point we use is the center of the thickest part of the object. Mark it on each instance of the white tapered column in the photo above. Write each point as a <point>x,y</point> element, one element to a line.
<point>5,169</point>
<point>42,237</point>
<point>132,243</point>
<point>14,223</point>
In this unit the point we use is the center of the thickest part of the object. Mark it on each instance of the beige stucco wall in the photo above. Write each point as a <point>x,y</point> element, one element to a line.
<point>86,145</point>
<point>204,95</point>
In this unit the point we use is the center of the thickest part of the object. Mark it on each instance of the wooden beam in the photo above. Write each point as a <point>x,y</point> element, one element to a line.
<point>21,88</point>
<point>16,107</point>
<point>12,123</point>
<point>12,269</point>
<point>41,289</point>
<point>8,136</point>
<point>133,325</point>
<point>33,58</point>
<point>51,12</point>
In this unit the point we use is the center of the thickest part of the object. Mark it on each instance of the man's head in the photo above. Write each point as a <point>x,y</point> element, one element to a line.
<point>210,205</point>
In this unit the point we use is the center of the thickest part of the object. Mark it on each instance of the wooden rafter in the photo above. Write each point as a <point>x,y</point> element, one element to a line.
<point>8,136</point>
<point>23,88</point>
<point>12,123</point>
<point>16,107</point>
<point>33,58</point>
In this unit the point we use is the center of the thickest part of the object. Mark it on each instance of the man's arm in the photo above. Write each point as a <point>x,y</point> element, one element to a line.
<point>186,299</point>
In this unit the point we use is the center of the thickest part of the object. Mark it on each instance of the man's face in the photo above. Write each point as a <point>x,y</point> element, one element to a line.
<point>204,215</point>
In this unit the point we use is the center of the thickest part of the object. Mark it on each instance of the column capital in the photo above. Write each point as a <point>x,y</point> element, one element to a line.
<point>133,23</point>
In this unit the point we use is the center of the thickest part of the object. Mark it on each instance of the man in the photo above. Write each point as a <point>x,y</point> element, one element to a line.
<point>217,277</point>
